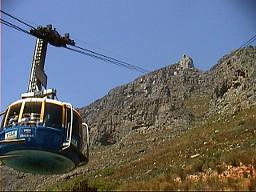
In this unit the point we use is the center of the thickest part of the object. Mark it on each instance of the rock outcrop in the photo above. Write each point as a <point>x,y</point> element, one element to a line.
<point>186,62</point>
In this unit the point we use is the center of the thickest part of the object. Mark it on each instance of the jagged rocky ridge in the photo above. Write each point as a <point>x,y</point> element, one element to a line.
<point>174,97</point>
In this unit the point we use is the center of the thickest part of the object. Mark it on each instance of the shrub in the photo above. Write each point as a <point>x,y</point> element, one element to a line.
<point>76,184</point>
<point>108,171</point>
<point>194,167</point>
<point>237,156</point>
<point>252,185</point>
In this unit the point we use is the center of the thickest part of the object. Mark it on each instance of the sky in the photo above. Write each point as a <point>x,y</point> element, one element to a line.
<point>148,33</point>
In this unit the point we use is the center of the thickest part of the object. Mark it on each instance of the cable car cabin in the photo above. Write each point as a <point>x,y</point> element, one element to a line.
<point>45,136</point>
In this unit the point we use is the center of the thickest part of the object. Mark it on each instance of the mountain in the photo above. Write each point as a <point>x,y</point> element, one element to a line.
<point>151,102</point>
<point>174,97</point>
<point>165,129</point>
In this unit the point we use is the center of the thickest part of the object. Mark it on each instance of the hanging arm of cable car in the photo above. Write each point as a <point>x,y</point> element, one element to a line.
<point>38,78</point>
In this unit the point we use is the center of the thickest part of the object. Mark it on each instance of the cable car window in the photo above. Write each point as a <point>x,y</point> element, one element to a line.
<point>76,121</point>
<point>53,115</point>
<point>3,119</point>
<point>13,115</point>
<point>31,113</point>
<point>68,117</point>
<point>76,124</point>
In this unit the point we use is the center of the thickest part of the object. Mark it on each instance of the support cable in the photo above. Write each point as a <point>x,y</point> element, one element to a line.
<point>17,19</point>
<point>115,61</point>
<point>14,26</point>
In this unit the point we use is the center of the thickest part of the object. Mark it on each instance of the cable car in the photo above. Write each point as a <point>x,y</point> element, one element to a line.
<point>38,133</point>
<point>41,135</point>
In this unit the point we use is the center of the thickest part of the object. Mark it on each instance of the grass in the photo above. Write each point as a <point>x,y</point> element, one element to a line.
<point>75,184</point>
<point>221,141</point>
<point>86,183</point>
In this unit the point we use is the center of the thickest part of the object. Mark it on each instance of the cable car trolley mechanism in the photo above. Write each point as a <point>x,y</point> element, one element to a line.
<point>38,133</point>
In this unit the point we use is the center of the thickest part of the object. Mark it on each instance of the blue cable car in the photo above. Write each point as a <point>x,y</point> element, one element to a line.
<point>39,134</point>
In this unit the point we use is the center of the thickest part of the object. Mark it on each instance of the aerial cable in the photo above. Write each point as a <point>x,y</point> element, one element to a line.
<point>106,59</point>
<point>252,39</point>
<point>113,60</point>
<point>17,19</point>
<point>14,26</point>
<point>88,54</point>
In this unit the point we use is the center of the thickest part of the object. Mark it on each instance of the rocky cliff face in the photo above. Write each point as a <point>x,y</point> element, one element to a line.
<point>174,97</point>
<point>234,80</point>
<point>153,101</point>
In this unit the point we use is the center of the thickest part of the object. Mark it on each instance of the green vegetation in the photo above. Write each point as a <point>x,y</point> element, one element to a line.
<point>75,184</point>
<point>86,183</point>
<point>81,183</point>
<point>203,153</point>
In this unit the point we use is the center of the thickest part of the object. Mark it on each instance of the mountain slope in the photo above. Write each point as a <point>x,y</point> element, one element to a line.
<point>218,155</point>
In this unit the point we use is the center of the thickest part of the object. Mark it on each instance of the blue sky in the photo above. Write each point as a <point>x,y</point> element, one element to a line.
<point>148,33</point>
